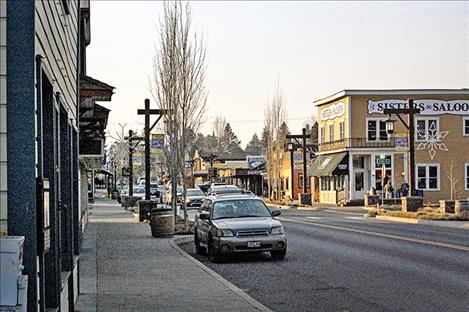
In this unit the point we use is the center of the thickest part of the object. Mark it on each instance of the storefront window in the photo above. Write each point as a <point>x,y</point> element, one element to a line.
<point>425,127</point>
<point>323,134</point>
<point>341,130</point>
<point>376,130</point>
<point>466,166</point>
<point>358,162</point>
<point>428,176</point>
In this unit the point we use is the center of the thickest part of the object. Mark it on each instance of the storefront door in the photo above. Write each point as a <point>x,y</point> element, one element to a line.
<point>360,176</point>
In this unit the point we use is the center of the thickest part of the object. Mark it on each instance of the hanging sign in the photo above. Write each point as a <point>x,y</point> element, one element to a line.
<point>333,111</point>
<point>298,160</point>
<point>426,106</point>
<point>137,159</point>
<point>156,143</point>
<point>401,142</point>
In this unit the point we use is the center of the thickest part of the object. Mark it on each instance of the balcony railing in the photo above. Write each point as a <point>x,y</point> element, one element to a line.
<point>355,143</point>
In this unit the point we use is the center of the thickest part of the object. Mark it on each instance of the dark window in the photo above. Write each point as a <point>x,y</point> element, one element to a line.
<point>372,130</point>
<point>466,126</point>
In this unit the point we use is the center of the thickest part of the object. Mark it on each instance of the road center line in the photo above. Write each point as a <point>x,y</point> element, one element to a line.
<point>408,239</point>
<point>344,212</point>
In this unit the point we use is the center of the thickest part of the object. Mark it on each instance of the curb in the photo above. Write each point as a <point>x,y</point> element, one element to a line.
<point>251,301</point>
<point>463,225</point>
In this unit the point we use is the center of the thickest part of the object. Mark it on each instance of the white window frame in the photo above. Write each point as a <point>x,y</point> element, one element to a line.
<point>466,177</point>
<point>464,119</point>
<point>341,130</point>
<point>331,132</point>
<point>322,134</point>
<point>427,170</point>
<point>378,121</point>
<point>426,119</point>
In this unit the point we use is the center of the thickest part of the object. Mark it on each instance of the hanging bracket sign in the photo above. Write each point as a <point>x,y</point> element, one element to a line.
<point>426,106</point>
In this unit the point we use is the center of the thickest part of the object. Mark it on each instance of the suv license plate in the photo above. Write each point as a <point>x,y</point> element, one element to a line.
<point>254,244</point>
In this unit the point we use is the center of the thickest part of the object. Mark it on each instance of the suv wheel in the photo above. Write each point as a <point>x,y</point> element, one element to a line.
<point>199,250</point>
<point>278,254</point>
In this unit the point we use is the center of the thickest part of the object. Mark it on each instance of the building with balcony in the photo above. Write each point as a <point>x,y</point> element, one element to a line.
<point>41,124</point>
<point>352,138</point>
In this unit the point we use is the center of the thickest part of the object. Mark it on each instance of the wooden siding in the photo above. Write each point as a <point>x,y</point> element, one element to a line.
<point>3,119</point>
<point>56,41</point>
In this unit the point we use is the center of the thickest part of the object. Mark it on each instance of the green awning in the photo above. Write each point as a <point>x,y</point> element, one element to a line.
<point>324,165</point>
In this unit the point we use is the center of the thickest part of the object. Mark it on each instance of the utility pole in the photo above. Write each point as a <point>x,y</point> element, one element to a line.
<point>410,111</point>
<point>147,112</point>
<point>305,173</point>
<point>131,165</point>
<point>291,147</point>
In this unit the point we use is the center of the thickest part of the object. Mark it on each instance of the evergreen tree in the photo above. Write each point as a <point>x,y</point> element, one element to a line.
<point>229,141</point>
<point>255,142</point>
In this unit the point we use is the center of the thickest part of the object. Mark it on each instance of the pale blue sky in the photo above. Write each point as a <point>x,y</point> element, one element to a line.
<point>313,48</point>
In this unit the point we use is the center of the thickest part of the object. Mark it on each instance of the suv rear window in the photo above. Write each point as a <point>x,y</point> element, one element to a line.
<point>240,208</point>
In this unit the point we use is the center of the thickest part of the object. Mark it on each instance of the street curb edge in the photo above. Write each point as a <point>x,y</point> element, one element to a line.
<point>254,303</point>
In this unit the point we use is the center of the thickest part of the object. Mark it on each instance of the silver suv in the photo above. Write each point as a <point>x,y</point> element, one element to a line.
<point>231,224</point>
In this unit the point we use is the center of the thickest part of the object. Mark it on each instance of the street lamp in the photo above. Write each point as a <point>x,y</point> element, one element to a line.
<point>390,125</point>
<point>290,146</point>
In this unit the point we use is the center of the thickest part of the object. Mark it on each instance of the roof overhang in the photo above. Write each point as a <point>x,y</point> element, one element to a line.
<point>390,92</point>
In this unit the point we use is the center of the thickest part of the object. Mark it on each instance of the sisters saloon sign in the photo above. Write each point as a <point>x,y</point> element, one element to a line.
<point>427,107</point>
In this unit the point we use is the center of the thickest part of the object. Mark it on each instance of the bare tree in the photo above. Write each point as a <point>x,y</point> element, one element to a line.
<point>454,179</point>
<point>218,128</point>
<point>275,117</point>
<point>178,87</point>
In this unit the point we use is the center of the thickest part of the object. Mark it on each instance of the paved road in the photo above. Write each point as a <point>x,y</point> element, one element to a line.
<point>340,261</point>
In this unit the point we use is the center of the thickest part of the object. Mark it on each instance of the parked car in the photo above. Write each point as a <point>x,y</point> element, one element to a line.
<point>224,189</point>
<point>154,191</point>
<point>194,197</point>
<point>139,191</point>
<point>226,225</point>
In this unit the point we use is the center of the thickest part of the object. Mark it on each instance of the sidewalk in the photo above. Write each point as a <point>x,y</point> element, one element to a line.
<point>123,268</point>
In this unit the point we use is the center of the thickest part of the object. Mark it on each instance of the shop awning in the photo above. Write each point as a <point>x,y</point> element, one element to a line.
<point>324,165</point>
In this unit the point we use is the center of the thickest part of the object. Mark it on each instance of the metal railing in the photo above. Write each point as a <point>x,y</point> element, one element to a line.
<point>355,143</point>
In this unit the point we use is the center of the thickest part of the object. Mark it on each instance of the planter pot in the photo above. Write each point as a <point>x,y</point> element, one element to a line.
<point>162,222</point>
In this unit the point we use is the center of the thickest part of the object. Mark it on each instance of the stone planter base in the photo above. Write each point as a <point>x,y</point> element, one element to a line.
<point>370,200</point>
<point>305,199</point>
<point>447,206</point>
<point>411,203</point>
<point>131,201</point>
<point>144,209</point>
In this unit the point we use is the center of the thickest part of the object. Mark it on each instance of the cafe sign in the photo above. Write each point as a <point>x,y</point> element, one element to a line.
<point>427,107</point>
<point>333,111</point>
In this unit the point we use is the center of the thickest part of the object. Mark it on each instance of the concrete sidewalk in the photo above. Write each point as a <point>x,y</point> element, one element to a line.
<point>123,268</point>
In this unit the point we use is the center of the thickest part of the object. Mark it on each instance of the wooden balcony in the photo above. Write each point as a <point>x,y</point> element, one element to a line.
<point>355,143</point>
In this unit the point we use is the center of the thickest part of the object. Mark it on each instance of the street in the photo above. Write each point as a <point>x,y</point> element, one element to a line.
<point>340,261</point>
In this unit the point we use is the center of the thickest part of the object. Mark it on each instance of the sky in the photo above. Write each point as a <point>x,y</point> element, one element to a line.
<point>310,49</point>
